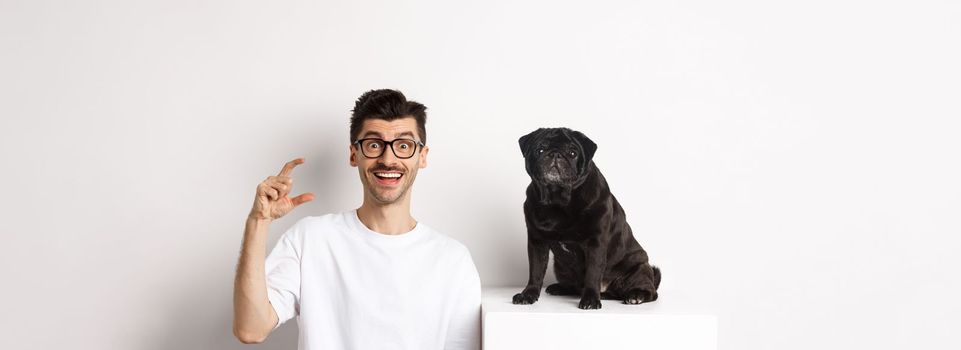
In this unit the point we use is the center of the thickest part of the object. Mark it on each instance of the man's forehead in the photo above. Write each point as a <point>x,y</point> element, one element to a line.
<point>389,129</point>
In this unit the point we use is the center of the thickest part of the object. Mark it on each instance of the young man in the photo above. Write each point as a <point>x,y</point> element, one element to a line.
<point>370,278</point>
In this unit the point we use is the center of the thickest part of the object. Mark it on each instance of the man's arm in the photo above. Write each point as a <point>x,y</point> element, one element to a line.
<point>254,317</point>
<point>464,330</point>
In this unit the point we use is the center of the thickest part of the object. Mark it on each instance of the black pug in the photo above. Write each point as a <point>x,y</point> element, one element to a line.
<point>570,211</point>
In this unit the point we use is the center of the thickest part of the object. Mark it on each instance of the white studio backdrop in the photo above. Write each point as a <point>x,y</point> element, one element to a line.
<point>792,165</point>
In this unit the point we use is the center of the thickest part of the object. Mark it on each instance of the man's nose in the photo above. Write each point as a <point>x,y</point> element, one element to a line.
<point>388,156</point>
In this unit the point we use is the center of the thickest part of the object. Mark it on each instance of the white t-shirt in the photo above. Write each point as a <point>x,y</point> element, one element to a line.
<point>353,288</point>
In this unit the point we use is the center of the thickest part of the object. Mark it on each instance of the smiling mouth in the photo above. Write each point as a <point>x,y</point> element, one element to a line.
<point>388,177</point>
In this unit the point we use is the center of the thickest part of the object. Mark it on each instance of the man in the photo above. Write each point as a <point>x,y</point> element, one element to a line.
<point>369,278</point>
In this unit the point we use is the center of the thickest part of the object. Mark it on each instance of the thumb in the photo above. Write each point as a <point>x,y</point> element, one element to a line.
<point>303,198</point>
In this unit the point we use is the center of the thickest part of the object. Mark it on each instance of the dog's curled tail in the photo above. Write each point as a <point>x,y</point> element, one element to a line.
<point>657,276</point>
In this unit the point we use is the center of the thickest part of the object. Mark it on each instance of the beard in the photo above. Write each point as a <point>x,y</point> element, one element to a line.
<point>388,195</point>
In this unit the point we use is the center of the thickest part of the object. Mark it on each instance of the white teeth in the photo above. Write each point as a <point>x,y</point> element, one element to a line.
<point>391,175</point>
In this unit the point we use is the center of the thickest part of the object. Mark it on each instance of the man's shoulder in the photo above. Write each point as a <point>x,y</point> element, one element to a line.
<point>453,248</point>
<point>455,258</point>
<point>310,223</point>
<point>334,217</point>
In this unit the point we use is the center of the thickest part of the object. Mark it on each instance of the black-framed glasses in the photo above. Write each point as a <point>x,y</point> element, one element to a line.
<point>403,148</point>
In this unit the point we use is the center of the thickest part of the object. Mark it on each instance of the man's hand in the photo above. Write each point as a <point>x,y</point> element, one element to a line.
<point>271,201</point>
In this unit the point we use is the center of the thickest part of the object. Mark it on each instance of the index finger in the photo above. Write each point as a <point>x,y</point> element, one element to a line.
<point>290,166</point>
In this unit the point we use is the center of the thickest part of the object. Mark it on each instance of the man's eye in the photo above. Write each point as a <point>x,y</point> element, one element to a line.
<point>374,145</point>
<point>404,146</point>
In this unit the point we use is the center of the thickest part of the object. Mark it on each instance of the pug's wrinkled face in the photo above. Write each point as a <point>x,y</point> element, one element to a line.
<point>557,156</point>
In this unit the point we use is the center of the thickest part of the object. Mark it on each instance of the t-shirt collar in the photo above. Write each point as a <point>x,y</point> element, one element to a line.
<point>417,231</point>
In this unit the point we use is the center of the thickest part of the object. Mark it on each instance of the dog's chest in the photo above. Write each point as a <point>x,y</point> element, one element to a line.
<point>557,228</point>
<point>565,249</point>
<point>550,220</point>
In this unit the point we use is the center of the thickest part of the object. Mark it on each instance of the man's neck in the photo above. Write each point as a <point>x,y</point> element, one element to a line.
<point>390,219</point>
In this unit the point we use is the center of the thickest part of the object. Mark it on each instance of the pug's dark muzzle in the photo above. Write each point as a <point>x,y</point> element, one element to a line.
<point>555,168</point>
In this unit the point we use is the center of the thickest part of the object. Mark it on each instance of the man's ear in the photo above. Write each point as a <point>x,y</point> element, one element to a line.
<point>589,146</point>
<point>422,163</point>
<point>351,155</point>
<point>526,140</point>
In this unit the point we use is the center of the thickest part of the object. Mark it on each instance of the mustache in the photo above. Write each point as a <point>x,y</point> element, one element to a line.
<point>386,168</point>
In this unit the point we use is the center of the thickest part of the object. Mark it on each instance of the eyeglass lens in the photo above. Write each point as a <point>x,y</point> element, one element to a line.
<point>403,148</point>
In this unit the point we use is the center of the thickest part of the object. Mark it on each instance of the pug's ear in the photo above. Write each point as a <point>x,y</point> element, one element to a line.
<point>525,140</point>
<point>586,143</point>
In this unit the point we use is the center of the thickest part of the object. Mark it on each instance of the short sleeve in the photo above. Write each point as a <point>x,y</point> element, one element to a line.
<point>463,333</point>
<point>282,267</point>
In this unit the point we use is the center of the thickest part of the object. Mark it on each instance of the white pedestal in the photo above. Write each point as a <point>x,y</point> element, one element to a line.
<point>555,322</point>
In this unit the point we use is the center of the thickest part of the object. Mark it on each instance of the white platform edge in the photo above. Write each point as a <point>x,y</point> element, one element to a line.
<point>555,322</point>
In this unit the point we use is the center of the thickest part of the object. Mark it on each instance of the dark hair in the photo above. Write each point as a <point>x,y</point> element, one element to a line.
<point>388,105</point>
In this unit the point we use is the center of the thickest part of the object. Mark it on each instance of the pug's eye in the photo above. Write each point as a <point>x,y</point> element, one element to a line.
<point>540,150</point>
<point>573,153</point>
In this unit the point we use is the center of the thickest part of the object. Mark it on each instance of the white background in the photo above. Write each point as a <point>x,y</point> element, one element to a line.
<point>793,165</point>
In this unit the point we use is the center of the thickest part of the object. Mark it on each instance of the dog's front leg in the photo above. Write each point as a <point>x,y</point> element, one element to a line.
<point>537,254</point>
<point>595,258</point>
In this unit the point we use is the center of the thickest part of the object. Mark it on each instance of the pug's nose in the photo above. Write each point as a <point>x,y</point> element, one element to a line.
<point>554,156</point>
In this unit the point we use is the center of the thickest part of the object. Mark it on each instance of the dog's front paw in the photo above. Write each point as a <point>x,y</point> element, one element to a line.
<point>590,302</point>
<point>528,296</point>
